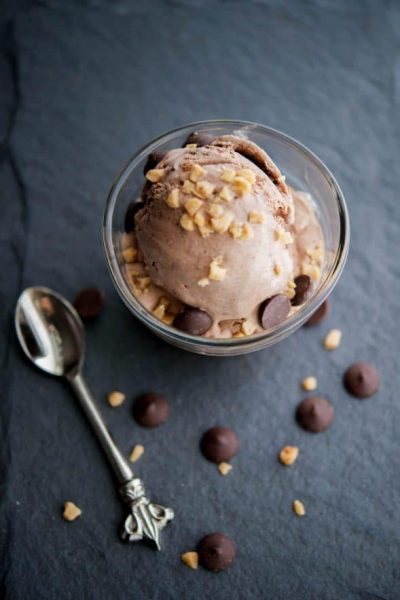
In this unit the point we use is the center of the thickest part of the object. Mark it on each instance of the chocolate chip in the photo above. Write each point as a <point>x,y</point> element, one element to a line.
<point>152,160</point>
<point>133,208</point>
<point>193,321</point>
<point>303,289</point>
<point>201,139</point>
<point>320,314</point>
<point>315,414</point>
<point>89,303</point>
<point>219,444</point>
<point>274,310</point>
<point>151,410</point>
<point>216,551</point>
<point>361,380</point>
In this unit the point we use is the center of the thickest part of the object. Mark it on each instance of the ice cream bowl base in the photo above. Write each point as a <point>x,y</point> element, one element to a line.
<point>304,171</point>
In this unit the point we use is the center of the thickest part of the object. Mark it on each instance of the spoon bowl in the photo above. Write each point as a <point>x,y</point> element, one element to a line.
<point>50,331</point>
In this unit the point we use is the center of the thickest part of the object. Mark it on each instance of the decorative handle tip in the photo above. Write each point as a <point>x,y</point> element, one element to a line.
<point>146,519</point>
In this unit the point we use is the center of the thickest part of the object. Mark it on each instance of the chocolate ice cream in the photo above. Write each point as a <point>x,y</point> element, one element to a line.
<point>218,235</point>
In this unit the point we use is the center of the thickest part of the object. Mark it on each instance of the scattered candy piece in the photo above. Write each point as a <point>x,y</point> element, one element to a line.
<point>89,303</point>
<point>136,453</point>
<point>298,508</point>
<point>288,455</point>
<point>309,384</point>
<point>224,468</point>
<point>71,511</point>
<point>333,339</point>
<point>115,398</point>
<point>191,559</point>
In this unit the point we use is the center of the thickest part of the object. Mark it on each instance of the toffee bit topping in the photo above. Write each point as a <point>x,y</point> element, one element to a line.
<point>247,232</point>
<point>216,272</point>
<point>247,174</point>
<point>313,271</point>
<point>224,468</point>
<point>309,384</point>
<point>129,254</point>
<point>228,175</point>
<point>288,455</point>
<point>298,508</point>
<point>235,230</point>
<point>278,270</point>
<point>115,398</point>
<point>256,217</point>
<point>190,559</point>
<point>226,194</point>
<point>215,210</point>
<point>247,328</point>
<point>188,187</point>
<point>221,224</point>
<point>173,198</point>
<point>241,186</point>
<point>136,453</point>
<point>71,511</point>
<point>192,206</point>
<point>186,222</point>
<point>205,189</point>
<point>191,146</point>
<point>155,175</point>
<point>203,282</point>
<point>196,172</point>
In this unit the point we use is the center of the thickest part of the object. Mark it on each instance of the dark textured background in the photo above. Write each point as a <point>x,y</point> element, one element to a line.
<point>83,85</point>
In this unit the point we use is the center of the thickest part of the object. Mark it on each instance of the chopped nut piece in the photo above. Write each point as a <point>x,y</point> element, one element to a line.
<point>239,334</point>
<point>159,312</point>
<point>226,194</point>
<point>71,511</point>
<point>203,282</point>
<point>196,172</point>
<point>193,205</point>
<point>277,270</point>
<point>136,453</point>
<point>291,284</point>
<point>215,210</point>
<point>221,224</point>
<point>333,339</point>
<point>191,146</point>
<point>298,508</point>
<point>236,230</point>
<point>188,187</point>
<point>186,223</point>
<point>316,254</point>
<point>115,398</point>
<point>205,230</point>
<point>288,455</point>
<point>199,219</point>
<point>155,175</point>
<point>287,238</point>
<point>247,232</point>
<point>256,217</point>
<point>281,178</point>
<point>173,198</point>
<point>309,384</point>
<point>247,328</point>
<point>312,271</point>
<point>168,319</point>
<point>129,254</point>
<point>142,282</point>
<point>241,186</point>
<point>205,189</point>
<point>247,174</point>
<point>224,468</point>
<point>216,272</point>
<point>191,559</point>
<point>228,175</point>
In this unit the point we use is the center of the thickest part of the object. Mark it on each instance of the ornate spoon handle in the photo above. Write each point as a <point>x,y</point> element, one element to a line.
<point>146,519</point>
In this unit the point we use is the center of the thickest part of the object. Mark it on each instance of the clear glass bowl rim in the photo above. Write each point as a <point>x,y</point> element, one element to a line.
<point>273,334</point>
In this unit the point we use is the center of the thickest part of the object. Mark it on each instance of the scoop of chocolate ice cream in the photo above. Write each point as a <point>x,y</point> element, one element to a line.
<point>214,229</point>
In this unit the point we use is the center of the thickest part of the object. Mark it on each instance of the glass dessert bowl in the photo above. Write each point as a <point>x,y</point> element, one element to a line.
<point>225,230</point>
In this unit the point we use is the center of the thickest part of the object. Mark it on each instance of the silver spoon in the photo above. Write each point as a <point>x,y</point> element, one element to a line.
<point>52,336</point>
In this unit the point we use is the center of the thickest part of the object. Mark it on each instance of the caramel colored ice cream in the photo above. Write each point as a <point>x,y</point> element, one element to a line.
<point>219,235</point>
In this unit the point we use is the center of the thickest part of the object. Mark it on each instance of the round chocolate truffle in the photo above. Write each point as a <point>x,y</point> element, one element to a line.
<point>89,303</point>
<point>315,414</point>
<point>216,551</point>
<point>151,410</point>
<point>219,444</point>
<point>361,380</point>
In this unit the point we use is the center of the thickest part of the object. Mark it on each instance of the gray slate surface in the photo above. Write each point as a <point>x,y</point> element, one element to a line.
<point>84,84</point>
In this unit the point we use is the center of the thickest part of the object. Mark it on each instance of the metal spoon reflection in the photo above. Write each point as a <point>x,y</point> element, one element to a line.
<point>53,338</point>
